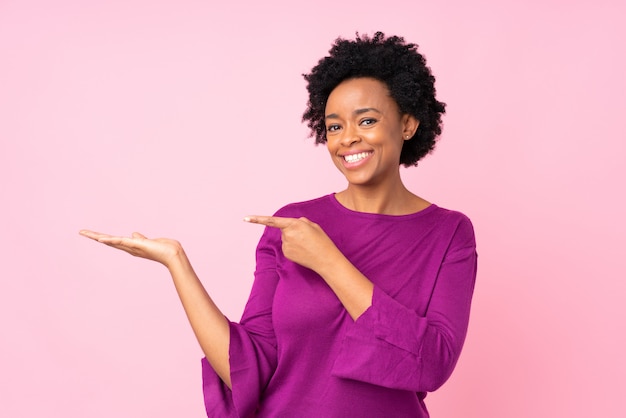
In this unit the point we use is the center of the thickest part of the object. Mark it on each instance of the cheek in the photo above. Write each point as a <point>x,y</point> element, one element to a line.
<point>331,145</point>
<point>332,152</point>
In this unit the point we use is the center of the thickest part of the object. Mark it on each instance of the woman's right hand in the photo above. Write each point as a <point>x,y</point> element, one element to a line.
<point>208,322</point>
<point>163,250</point>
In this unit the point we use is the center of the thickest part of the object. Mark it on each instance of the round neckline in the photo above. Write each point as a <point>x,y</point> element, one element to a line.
<point>370,215</point>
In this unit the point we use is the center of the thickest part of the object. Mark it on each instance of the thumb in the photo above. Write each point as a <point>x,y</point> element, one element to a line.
<point>138,235</point>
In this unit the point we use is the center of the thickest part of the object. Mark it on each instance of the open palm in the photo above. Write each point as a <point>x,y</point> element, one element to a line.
<point>163,250</point>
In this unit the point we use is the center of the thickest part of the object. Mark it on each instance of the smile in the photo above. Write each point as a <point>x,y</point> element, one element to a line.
<point>353,158</point>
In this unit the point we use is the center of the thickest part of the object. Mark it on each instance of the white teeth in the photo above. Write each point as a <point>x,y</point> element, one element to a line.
<point>353,158</point>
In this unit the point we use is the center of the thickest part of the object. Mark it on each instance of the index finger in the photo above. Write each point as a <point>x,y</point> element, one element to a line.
<point>272,221</point>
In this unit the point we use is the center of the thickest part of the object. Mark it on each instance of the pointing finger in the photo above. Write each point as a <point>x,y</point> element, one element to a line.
<point>272,221</point>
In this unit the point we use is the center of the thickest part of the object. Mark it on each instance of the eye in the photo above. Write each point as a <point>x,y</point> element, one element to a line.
<point>332,128</point>
<point>368,121</point>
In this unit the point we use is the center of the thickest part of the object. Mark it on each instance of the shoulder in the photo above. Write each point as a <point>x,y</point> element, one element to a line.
<point>453,217</point>
<point>456,224</point>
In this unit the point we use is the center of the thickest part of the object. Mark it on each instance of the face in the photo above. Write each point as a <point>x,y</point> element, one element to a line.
<point>365,132</point>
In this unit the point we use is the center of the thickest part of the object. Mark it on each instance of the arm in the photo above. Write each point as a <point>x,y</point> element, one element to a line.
<point>207,321</point>
<point>305,243</point>
<point>253,347</point>
<point>390,344</point>
<point>394,345</point>
<point>354,290</point>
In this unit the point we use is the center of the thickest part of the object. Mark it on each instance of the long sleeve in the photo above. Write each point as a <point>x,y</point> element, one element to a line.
<point>252,350</point>
<point>395,346</point>
<point>298,353</point>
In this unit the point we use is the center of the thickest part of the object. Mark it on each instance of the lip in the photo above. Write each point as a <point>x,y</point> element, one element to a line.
<point>358,163</point>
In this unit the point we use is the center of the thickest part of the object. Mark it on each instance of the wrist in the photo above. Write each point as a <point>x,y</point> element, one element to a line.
<point>177,259</point>
<point>332,264</point>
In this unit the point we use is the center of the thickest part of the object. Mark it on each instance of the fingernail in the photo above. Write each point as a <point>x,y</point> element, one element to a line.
<point>247,219</point>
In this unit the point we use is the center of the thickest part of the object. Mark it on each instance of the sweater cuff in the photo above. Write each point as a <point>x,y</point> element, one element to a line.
<point>383,345</point>
<point>396,324</point>
<point>242,400</point>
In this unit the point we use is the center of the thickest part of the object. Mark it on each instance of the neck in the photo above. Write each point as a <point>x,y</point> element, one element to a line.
<point>396,200</point>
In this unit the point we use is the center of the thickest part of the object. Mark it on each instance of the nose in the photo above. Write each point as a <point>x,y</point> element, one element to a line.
<point>350,136</point>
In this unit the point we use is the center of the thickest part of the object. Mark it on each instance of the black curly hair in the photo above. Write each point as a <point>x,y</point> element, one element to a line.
<point>395,63</point>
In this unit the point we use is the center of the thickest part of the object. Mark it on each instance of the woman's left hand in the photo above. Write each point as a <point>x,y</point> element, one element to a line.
<point>304,241</point>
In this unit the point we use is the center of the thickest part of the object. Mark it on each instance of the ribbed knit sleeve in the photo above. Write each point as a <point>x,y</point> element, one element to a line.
<point>252,350</point>
<point>391,345</point>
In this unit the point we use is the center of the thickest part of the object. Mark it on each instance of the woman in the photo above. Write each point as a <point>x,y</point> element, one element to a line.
<point>361,298</point>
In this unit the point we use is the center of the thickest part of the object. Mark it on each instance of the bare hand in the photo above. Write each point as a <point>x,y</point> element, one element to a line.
<point>304,241</point>
<point>163,250</point>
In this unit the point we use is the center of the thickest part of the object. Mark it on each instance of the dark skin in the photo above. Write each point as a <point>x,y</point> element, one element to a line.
<point>365,136</point>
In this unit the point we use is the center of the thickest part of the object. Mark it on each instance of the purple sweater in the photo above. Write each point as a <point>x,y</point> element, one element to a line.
<point>297,352</point>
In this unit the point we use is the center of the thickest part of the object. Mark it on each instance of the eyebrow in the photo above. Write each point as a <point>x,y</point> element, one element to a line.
<point>356,112</point>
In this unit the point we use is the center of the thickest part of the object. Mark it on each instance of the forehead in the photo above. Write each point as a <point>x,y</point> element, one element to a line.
<point>360,92</point>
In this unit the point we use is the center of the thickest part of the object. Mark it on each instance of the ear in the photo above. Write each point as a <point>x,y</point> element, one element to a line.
<point>409,126</point>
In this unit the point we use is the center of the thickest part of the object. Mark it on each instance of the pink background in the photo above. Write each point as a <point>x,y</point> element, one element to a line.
<point>178,118</point>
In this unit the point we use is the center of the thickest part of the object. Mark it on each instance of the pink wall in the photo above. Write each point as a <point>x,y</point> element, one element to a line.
<point>179,118</point>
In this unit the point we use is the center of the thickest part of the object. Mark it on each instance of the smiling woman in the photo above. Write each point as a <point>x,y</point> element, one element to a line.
<point>361,299</point>
<point>366,131</point>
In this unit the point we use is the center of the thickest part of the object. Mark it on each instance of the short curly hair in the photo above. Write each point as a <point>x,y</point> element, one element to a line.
<point>395,63</point>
